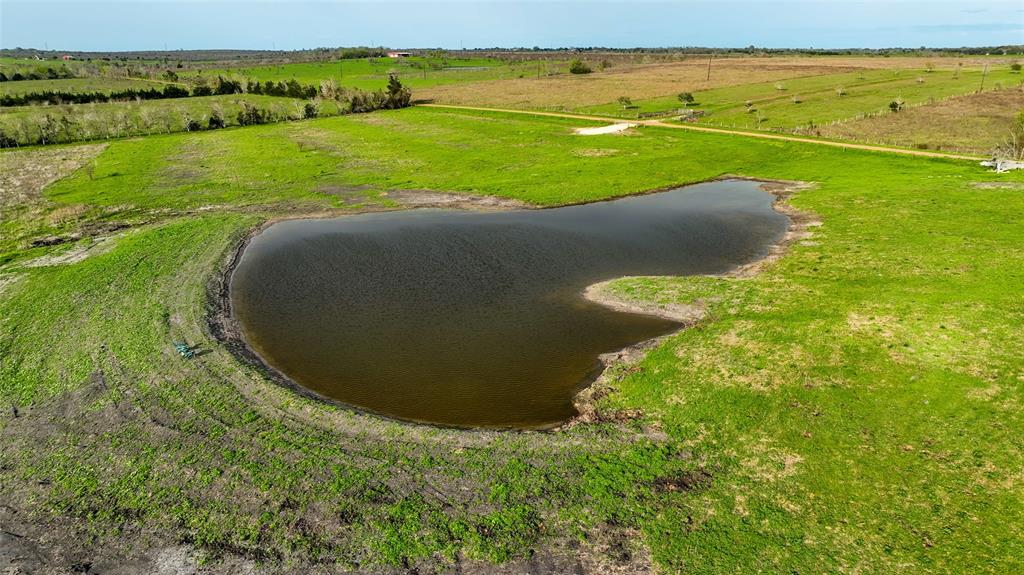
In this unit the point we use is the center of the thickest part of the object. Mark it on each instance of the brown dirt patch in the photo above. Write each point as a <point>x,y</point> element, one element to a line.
<point>998,185</point>
<point>434,199</point>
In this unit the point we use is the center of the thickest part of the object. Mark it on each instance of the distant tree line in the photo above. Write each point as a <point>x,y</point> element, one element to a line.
<point>396,96</point>
<point>47,74</point>
<point>55,98</point>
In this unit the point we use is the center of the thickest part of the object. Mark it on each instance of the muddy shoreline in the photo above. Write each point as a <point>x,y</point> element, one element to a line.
<point>222,326</point>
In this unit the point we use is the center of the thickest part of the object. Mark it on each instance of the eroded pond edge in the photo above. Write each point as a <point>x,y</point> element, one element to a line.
<point>224,328</point>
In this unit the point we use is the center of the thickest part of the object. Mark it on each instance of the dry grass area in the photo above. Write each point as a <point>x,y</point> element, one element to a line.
<point>974,123</point>
<point>24,173</point>
<point>650,80</point>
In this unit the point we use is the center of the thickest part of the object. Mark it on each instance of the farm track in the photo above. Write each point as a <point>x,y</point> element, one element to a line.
<point>762,135</point>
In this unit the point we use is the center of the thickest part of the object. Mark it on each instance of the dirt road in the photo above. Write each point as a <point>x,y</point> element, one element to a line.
<point>696,128</point>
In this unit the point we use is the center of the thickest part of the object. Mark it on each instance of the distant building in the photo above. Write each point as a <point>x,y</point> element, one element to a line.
<point>67,57</point>
<point>399,54</point>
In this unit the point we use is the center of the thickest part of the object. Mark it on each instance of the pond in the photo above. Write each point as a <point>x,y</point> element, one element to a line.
<point>477,319</point>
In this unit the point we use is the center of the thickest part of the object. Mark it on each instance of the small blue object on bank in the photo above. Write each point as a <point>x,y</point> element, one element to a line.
<point>184,350</point>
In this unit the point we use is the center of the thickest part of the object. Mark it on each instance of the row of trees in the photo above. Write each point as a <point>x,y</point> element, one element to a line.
<point>57,98</point>
<point>73,124</point>
<point>223,86</point>
<point>392,98</point>
<point>47,74</point>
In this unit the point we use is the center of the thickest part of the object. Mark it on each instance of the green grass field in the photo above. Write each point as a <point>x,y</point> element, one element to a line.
<point>372,73</point>
<point>853,408</point>
<point>77,85</point>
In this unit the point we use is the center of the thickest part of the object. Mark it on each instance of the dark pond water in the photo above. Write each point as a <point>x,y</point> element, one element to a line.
<point>477,319</point>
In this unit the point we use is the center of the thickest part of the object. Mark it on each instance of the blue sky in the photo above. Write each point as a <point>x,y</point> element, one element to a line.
<point>287,24</point>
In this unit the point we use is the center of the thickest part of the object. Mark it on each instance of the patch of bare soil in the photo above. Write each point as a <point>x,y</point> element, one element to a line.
<point>24,173</point>
<point>7,280</point>
<point>998,185</point>
<point>432,199</point>
<point>87,248</point>
<point>620,363</point>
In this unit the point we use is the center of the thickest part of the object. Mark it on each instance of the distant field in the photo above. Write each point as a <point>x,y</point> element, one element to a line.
<point>646,81</point>
<point>372,73</point>
<point>76,85</point>
<point>118,119</point>
<point>975,123</point>
<point>818,94</point>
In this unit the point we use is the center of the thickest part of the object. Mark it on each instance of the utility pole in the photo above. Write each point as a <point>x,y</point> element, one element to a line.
<point>983,74</point>
<point>709,66</point>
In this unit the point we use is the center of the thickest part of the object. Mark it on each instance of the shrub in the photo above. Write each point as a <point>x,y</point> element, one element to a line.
<point>202,91</point>
<point>1015,67</point>
<point>227,87</point>
<point>310,110</point>
<point>215,121</point>
<point>685,97</point>
<point>398,95</point>
<point>1013,147</point>
<point>192,125</point>
<point>7,141</point>
<point>579,67</point>
<point>896,105</point>
<point>625,102</point>
<point>251,115</point>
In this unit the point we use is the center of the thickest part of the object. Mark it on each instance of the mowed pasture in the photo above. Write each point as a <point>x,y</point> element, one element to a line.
<point>77,85</point>
<point>854,407</point>
<point>372,73</point>
<point>975,123</point>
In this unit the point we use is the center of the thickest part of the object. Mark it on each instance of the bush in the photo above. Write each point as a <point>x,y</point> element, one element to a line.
<point>1012,147</point>
<point>579,67</point>
<point>7,141</point>
<point>686,98</point>
<point>1015,67</point>
<point>192,125</point>
<point>215,121</point>
<point>310,110</point>
<point>227,87</point>
<point>202,91</point>
<point>896,105</point>
<point>251,115</point>
<point>398,95</point>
